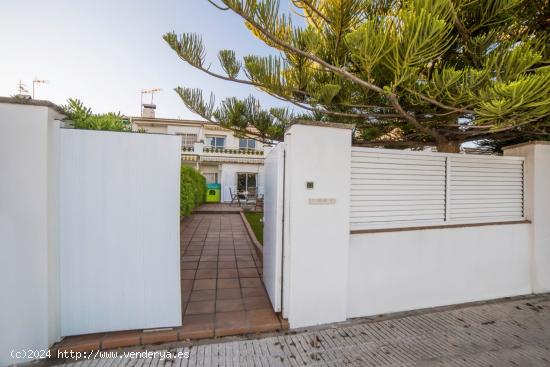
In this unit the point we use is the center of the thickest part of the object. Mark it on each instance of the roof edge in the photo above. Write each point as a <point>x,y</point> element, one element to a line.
<point>32,102</point>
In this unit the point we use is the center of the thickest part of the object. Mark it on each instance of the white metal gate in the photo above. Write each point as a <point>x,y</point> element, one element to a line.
<point>273,224</point>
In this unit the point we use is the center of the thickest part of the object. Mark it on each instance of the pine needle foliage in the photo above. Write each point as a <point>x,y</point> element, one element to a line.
<point>407,73</point>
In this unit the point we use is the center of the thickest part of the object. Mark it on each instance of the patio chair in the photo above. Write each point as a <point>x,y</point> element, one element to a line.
<point>259,203</point>
<point>252,195</point>
<point>234,197</point>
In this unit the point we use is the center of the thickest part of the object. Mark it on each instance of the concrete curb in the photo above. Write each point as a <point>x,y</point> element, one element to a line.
<point>255,242</point>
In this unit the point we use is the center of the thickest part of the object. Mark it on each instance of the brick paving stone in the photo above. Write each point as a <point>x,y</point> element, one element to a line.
<point>200,307</point>
<point>201,284</point>
<point>206,274</point>
<point>203,295</point>
<point>248,273</point>
<point>121,339</point>
<point>229,305</point>
<point>228,283</point>
<point>188,274</point>
<point>251,283</point>
<point>227,273</point>
<point>160,336</point>
<point>81,343</point>
<point>256,303</point>
<point>197,326</point>
<point>229,293</point>
<point>253,292</point>
<point>230,323</point>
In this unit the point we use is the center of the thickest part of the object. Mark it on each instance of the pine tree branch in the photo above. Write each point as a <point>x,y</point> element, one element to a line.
<point>313,9</point>
<point>503,129</point>
<point>281,97</point>
<point>339,71</point>
<point>217,6</point>
<point>307,55</point>
<point>264,88</point>
<point>246,133</point>
<point>219,76</point>
<point>261,86</point>
<point>346,114</point>
<point>439,104</point>
<point>396,144</point>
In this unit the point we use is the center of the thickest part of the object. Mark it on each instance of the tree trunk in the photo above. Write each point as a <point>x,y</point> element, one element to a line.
<point>449,146</point>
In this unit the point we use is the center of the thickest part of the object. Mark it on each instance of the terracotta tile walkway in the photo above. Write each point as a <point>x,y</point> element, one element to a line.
<point>222,290</point>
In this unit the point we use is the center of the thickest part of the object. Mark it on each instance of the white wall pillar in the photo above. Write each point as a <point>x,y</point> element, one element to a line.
<point>317,195</point>
<point>537,208</point>
<point>29,154</point>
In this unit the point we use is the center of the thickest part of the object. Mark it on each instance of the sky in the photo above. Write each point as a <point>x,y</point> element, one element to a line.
<point>104,52</point>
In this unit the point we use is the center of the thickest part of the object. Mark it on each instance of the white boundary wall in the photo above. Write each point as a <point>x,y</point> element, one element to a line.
<point>316,235</point>
<point>29,298</point>
<point>406,270</point>
<point>129,185</point>
<point>537,208</point>
<point>120,266</point>
<point>402,270</point>
<point>494,242</point>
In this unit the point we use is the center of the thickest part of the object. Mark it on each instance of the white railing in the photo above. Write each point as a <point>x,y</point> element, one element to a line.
<point>201,149</point>
<point>392,189</point>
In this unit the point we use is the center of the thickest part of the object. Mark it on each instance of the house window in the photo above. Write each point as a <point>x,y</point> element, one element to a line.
<point>246,181</point>
<point>188,140</point>
<point>211,177</point>
<point>247,144</point>
<point>215,141</point>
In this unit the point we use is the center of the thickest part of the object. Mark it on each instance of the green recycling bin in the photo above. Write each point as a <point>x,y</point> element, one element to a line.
<point>213,193</point>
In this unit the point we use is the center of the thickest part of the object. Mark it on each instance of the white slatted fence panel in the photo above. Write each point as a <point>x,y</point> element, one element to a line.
<point>391,188</point>
<point>485,188</point>
<point>395,188</point>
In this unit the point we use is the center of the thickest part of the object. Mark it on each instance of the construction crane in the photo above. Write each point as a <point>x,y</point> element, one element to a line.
<point>37,81</point>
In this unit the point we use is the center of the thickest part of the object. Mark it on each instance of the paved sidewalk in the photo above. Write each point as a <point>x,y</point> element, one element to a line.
<point>507,333</point>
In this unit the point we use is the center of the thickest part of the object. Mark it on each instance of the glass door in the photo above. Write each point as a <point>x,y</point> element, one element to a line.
<point>246,181</point>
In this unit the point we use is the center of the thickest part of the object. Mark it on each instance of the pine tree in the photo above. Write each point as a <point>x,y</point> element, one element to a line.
<point>407,73</point>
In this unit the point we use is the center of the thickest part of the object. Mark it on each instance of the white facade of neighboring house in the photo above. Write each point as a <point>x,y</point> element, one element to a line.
<point>235,163</point>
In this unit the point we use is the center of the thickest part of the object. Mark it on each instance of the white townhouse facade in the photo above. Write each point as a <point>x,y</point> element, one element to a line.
<point>237,164</point>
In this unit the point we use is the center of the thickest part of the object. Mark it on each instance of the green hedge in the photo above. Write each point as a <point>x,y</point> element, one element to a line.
<point>192,190</point>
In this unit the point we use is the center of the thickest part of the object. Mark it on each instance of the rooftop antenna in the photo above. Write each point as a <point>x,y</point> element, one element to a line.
<point>151,105</point>
<point>151,92</point>
<point>22,88</point>
<point>37,81</point>
<point>23,92</point>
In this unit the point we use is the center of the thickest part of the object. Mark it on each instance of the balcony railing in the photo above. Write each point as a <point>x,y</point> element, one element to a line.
<point>201,149</point>
<point>233,151</point>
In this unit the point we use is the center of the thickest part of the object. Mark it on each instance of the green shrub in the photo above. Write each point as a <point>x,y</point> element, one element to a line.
<point>81,117</point>
<point>192,190</point>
